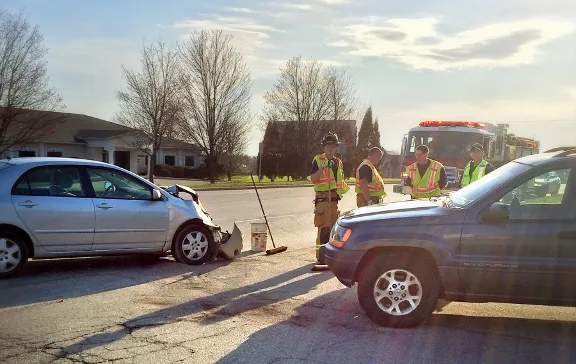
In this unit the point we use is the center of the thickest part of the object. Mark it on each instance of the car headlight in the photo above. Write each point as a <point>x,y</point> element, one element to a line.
<point>537,184</point>
<point>339,236</point>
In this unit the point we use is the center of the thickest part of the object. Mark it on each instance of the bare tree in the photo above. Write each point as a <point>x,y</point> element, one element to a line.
<point>344,104</point>
<point>308,94</point>
<point>26,101</point>
<point>235,142</point>
<point>217,88</point>
<point>151,102</point>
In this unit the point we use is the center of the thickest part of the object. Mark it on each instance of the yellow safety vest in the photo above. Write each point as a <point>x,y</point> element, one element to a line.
<point>376,186</point>
<point>428,185</point>
<point>478,173</point>
<point>328,181</point>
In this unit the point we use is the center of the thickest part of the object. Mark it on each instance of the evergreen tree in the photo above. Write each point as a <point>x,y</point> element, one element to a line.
<point>376,135</point>
<point>366,130</point>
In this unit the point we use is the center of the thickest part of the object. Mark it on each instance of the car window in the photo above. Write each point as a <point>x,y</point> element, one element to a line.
<point>475,191</point>
<point>541,197</point>
<point>109,183</point>
<point>55,181</point>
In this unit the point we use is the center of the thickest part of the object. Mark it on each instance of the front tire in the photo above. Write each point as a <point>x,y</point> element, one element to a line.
<point>398,290</point>
<point>13,254</point>
<point>194,245</point>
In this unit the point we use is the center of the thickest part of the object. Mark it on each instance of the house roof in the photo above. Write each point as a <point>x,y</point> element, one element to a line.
<point>78,128</point>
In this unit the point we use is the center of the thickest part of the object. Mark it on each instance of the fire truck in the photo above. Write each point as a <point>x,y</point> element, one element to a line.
<point>449,143</point>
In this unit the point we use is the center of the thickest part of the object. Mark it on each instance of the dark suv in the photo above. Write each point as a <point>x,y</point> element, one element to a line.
<point>488,242</point>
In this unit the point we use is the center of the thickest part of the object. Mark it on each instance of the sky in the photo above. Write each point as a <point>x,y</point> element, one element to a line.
<point>511,61</point>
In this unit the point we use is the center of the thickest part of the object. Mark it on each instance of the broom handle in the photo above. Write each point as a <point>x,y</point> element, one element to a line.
<point>263,213</point>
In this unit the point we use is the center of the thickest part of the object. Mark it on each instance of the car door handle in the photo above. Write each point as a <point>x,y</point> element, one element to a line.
<point>104,206</point>
<point>27,203</point>
<point>567,235</point>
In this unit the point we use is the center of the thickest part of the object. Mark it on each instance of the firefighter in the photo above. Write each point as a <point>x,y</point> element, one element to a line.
<point>329,186</point>
<point>369,183</point>
<point>477,168</point>
<point>426,177</point>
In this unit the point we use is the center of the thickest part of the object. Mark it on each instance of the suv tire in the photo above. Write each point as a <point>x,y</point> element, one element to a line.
<point>13,254</point>
<point>424,284</point>
<point>194,245</point>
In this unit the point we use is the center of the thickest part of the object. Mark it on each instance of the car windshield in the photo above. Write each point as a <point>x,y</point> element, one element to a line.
<point>443,144</point>
<point>473,192</point>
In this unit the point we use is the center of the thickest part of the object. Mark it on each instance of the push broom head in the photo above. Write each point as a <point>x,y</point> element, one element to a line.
<point>280,249</point>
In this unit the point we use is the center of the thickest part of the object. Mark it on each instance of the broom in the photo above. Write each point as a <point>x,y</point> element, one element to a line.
<point>276,250</point>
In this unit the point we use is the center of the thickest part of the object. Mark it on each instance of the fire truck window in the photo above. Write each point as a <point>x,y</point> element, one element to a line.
<point>412,144</point>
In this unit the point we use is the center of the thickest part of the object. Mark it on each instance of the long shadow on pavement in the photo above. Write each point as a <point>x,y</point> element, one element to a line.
<point>47,280</point>
<point>231,302</point>
<point>333,329</point>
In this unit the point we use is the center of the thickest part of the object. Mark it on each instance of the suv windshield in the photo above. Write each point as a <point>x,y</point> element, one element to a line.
<point>473,192</point>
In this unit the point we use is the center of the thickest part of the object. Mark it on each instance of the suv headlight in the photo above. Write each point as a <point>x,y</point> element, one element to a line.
<point>339,236</point>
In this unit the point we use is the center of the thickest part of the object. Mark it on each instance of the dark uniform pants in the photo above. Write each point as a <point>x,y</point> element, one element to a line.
<point>325,215</point>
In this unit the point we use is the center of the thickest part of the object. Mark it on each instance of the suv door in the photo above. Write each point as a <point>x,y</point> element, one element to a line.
<point>126,215</point>
<point>533,253</point>
<point>53,204</point>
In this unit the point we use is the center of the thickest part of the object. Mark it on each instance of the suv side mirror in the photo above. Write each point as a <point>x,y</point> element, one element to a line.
<point>156,195</point>
<point>497,212</point>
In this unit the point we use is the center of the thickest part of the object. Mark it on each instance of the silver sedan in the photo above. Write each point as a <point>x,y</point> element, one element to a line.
<point>59,207</point>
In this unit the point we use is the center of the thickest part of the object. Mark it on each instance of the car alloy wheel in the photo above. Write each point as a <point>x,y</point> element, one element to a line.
<point>13,254</point>
<point>398,288</point>
<point>398,292</point>
<point>195,245</point>
<point>10,255</point>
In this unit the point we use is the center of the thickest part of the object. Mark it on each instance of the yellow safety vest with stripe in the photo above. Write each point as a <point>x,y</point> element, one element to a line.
<point>376,186</point>
<point>328,181</point>
<point>478,173</point>
<point>428,185</point>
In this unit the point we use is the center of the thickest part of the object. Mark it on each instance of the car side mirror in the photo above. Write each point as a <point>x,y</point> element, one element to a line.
<point>156,195</point>
<point>107,185</point>
<point>497,212</point>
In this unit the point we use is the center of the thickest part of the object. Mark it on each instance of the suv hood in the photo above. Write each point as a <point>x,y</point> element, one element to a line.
<point>397,210</point>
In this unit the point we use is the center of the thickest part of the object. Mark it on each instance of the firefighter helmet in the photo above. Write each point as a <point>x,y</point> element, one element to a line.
<point>330,138</point>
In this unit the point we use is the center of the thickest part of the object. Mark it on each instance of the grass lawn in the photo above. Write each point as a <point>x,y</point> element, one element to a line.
<point>246,181</point>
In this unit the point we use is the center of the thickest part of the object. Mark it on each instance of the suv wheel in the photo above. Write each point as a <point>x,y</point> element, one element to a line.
<point>13,254</point>
<point>398,291</point>
<point>194,245</point>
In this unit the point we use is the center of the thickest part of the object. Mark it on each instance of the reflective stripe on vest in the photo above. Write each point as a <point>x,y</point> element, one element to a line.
<point>328,181</point>
<point>376,186</point>
<point>429,187</point>
<point>478,173</point>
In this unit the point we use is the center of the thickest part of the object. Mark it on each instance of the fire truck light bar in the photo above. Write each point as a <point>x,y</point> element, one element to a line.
<point>469,124</point>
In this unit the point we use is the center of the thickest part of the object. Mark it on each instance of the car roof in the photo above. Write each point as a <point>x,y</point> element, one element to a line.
<point>38,161</point>
<point>546,157</point>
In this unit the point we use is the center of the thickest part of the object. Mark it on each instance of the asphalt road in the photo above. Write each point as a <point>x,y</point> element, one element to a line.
<point>256,309</point>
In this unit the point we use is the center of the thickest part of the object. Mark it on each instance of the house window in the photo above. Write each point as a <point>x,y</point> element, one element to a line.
<point>170,160</point>
<point>54,153</point>
<point>105,156</point>
<point>189,161</point>
<point>26,153</point>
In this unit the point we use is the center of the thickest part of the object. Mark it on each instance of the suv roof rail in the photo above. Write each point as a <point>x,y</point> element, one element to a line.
<point>566,152</point>
<point>560,149</point>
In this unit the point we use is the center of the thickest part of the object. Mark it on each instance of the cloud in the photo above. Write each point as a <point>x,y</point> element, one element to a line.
<point>249,36</point>
<point>240,10</point>
<point>418,43</point>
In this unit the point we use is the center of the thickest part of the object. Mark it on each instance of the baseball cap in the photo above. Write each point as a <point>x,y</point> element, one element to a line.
<point>476,146</point>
